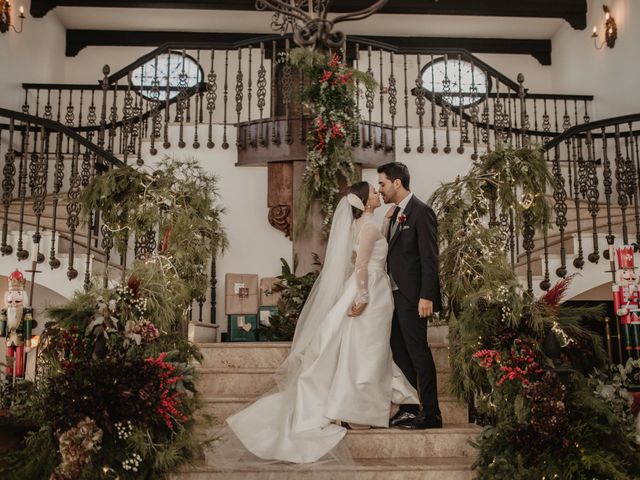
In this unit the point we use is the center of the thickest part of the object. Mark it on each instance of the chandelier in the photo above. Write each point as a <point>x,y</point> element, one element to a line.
<point>308,21</point>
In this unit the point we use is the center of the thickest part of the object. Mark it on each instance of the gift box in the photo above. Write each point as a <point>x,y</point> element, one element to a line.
<point>242,328</point>
<point>268,298</point>
<point>241,294</point>
<point>264,314</point>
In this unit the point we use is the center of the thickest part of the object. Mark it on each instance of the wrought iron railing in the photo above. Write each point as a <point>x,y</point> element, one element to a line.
<point>249,83</point>
<point>46,166</point>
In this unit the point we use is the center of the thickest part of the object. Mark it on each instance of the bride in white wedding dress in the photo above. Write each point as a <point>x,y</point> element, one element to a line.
<point>340,367</point>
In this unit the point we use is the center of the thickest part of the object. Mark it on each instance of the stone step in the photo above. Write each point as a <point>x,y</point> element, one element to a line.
<point>257,381</point>
<point>271,354</point>
<point>222,406</point>
<point>418,468</point>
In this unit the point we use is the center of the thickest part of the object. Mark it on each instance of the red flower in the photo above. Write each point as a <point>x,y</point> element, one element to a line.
<point>402,218</point>
<point>326,76</point>
<point>337,130</point>
<point>335,60</point>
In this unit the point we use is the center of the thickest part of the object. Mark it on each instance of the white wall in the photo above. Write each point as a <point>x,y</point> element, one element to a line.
<point>34,56</point>
<point>609,74</point>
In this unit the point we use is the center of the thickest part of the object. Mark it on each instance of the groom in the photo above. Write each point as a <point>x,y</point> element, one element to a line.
<point>412,264</point>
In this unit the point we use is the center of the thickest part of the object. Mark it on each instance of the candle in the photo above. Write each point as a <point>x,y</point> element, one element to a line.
<point>595,30</point>
<point>34,253</point>
<point>21,9</point>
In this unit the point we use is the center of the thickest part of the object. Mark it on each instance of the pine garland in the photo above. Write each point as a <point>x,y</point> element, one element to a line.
<point>539,427</point>
<point>331,98</point>
<point>116,393</point>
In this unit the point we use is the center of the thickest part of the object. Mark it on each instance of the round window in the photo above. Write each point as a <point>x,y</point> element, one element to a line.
<point>456,82</point>
<point>165,75</point>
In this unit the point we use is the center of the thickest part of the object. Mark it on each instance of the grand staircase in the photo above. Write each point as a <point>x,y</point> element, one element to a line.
<point>232,375</point>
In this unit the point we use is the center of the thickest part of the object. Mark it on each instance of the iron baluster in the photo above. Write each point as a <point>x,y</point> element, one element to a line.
<point>8,185</point>
<point>560,208</point>
<point>608,183</point>
<point>212,96</point>
<point>393,102</point>
<point>592,196</point>
<point>420,104</point>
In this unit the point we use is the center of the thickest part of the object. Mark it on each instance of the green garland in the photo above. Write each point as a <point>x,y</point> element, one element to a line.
<point>540,427</point>
<point>116,396</point>
<point>331,98</point>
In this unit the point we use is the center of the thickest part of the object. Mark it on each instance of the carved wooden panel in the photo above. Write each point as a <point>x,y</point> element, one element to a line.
<point>280,196</point>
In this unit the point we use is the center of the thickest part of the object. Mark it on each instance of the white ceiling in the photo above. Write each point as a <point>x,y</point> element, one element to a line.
<point>89,18</point>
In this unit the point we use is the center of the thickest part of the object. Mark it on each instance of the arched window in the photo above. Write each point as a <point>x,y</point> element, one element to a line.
<point>456,82</point>
<point>165,75</point>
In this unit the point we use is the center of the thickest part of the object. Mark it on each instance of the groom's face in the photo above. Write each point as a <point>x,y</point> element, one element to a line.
<point>387,188</point>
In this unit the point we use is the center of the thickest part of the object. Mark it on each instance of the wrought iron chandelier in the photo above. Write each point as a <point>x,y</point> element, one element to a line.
<point>308,21</point>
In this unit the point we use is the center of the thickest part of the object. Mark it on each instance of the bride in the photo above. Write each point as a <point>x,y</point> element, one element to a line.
<point>340,367</point>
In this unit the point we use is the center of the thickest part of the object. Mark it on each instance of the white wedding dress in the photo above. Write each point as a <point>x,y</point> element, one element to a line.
<point>344,371</point>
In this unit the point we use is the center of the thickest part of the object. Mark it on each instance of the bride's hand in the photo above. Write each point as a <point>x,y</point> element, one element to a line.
<point>357,309</point>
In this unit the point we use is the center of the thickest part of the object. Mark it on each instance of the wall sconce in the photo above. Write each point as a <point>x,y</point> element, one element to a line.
<point>5,17</point>
<point>610,30</point>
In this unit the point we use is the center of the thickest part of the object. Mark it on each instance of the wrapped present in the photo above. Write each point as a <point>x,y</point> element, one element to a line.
<point>241,294</point>
<point>242,328</point>
<point>264,320</point>
<point>268,298</point>
<point>264,315</point>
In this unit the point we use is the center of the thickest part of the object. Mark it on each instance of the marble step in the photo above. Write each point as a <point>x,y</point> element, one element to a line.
<point>419,468</point>
<point>223,406</point>
<point>271,354</point>
<point>256,381</point>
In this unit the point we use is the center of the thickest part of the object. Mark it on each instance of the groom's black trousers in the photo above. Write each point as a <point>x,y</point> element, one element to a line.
<point>412,354</point>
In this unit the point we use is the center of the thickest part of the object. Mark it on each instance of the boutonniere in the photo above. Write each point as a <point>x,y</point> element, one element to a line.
<point>402,218</point>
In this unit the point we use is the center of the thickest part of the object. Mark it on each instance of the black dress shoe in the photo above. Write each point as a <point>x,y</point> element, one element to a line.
<point>421,422</point>
<point>401,418</point>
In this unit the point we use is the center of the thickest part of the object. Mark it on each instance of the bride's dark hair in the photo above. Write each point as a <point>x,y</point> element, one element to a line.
<point>360,190</point>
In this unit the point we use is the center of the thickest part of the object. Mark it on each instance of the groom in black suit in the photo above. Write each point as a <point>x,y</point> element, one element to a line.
<point>412,264</point>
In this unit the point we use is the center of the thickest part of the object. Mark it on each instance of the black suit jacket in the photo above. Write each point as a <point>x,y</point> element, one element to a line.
<point>413,254</point>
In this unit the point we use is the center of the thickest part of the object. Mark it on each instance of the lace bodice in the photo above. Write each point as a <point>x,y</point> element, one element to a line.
<point>370,248</point>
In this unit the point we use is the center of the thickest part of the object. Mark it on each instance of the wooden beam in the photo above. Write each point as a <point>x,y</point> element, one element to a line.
<point>79,39</point>
<point>573,11</point>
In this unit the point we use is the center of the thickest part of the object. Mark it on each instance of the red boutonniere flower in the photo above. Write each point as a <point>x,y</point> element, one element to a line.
<point>402,218</point>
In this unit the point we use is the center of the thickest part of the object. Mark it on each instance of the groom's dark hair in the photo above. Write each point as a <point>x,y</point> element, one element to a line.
<point>396,171</point>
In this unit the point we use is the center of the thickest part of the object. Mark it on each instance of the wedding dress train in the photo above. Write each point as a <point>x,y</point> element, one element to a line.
<point>344,372</point>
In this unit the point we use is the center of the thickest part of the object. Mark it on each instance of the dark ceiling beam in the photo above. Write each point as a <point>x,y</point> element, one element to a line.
<point>573,11</point>
<point>79,39</point>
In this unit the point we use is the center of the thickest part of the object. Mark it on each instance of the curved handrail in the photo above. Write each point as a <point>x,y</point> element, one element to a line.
<point>465,54</point>
<point>577,129</point>
<point>56,126</point>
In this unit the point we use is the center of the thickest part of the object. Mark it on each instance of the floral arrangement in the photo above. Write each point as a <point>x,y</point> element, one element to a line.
<point>331,98</point>
<point>522,360</point>
<point>115,396</point>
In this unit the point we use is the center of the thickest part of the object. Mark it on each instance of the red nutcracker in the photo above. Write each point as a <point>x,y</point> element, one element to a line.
<point>16,324</point>
<point>626,300</point>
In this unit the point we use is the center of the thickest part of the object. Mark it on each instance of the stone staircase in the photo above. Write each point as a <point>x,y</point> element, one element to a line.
<point>234,374</point>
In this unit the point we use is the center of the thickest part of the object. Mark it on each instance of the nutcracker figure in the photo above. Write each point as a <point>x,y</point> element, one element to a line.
<point>626,300</point>
<point>16,324</point>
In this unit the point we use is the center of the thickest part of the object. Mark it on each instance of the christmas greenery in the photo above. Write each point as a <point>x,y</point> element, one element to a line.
<point>115,396</point>
<point>293,292</point>
<point>522,360</point>
<point>331,98</point>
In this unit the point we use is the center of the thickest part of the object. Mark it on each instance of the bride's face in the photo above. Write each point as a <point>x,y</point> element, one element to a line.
<point>374,198</point>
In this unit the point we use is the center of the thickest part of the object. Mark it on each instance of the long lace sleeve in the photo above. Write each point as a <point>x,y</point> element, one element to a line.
<point>366,240</point>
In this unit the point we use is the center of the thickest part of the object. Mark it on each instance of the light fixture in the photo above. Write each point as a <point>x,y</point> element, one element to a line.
<point>610,30</point>
<point>5,17</point>
<point>308,21</point>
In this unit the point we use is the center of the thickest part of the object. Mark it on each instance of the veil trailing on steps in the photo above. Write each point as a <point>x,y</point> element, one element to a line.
<point>227,452</point>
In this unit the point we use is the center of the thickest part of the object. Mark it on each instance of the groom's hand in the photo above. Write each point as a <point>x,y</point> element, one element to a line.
<point>425,308</point>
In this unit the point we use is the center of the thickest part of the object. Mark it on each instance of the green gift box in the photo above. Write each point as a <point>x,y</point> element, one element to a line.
<point>242,328</point>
